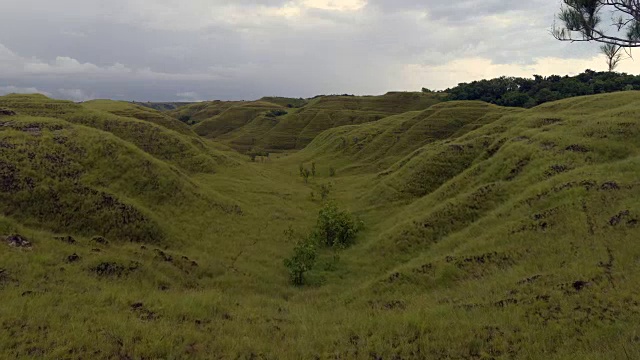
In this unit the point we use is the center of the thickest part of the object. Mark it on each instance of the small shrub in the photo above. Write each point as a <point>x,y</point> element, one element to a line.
<point>313,169</point>
<point>303,259</point>
<point>325,189</point>
<point>255,152</point>
<point>336,228</point>
<point>332,172</point>
<point>276,113</point>
<point>305,175</point>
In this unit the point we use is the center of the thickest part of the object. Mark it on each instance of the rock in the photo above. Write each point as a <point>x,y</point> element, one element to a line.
<point>7,112</point>
<point>17,240</point>
<point>109,269</point>
<point>610,185</point>
<point>136,306</point>
<point>579,285</point>
<point>67,239</point>
<point>100,240</point>
<point>73,258</point>
<point>577,148</point>
<point>163,255</point>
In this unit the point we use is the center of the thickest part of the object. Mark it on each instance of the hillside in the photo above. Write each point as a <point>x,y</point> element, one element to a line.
<point>489,232</point>
<point>163,106</point>
<point>284,124</point>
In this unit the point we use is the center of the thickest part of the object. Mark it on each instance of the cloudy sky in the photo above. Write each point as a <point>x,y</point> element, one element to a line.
<point>162,50</point>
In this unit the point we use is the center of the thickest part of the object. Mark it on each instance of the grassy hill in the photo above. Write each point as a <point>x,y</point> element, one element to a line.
<point>163,106</point>
<point>162,137</point>
<point>283,124</point>
<point>490,233</point>
<point>139,112</point>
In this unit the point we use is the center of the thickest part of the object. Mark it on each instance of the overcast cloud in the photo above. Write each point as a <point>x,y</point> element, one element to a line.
<point>162,50</point>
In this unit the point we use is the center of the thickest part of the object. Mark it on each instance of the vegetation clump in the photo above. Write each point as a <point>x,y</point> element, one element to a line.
<point>527,92</point>
<point>276,113</point>
<point>325,189</point>
<point>304,173</point>
<point>335,227</point>
<point>303,259</point>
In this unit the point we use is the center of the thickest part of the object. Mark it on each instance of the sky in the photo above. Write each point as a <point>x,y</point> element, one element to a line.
<point>192,50</point>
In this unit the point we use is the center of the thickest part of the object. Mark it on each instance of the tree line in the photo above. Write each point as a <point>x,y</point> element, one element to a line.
<point>529,92</point>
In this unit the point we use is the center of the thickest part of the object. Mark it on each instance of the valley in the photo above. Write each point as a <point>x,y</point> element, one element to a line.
<point>488,232</point>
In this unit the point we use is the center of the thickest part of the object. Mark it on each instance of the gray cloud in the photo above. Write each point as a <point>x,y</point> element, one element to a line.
<point>205,49</point>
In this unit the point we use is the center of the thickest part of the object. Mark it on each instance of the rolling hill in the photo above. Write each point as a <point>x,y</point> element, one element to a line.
<point>277,124</point>
<point>490,232</point>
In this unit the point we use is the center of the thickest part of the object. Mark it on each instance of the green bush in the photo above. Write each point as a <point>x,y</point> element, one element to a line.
<point>332,172</point>
<point>336,228</point>
<point>325,189</point>
<point>303,258</point>
<point>305,175</point>
<point>276,113</point>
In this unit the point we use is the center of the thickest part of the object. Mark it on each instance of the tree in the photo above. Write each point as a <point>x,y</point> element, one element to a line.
<point>325,189</point>
<point>582,21</point>
<point>305,175</point>
<point>336,228</point>
<point>613,55</point>
<point>303,258</point>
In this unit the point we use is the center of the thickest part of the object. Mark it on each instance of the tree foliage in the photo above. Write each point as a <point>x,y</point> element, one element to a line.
<point>586,20</point>
<point>613,54</point>
<point>527,92</point>
<point>336,228</point>
<point>303,259</point>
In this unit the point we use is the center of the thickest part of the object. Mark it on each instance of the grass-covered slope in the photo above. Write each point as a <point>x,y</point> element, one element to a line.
<point>163,106</point>
<point>519,233</point>
<point>275,123</point>
<point>197,112</point>
<point>296,130</point>
<point>233,118</point>
<point>151,132</point>
<point>69,178</point>
<point>139,112</point>
<point>490,233</point>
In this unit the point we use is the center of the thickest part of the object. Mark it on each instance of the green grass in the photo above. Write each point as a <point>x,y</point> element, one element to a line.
<point>490,233</point>
<point>246,125</point>
<point>139,112</point>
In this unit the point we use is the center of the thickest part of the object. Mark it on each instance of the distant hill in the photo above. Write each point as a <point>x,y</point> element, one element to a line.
<point>284,123</point>
<point>163,106</point>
